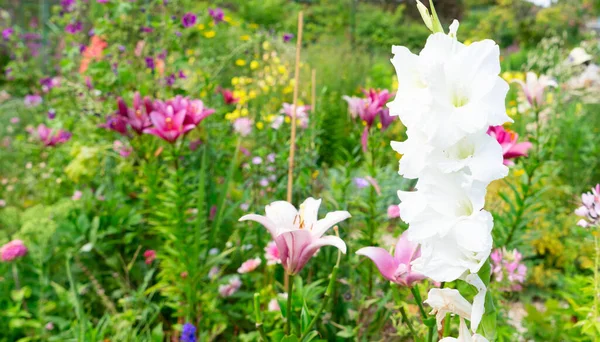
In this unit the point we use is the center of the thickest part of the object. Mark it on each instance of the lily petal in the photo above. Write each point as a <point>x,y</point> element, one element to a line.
<point>386,264</point>
<point>265,221</point>
<point>329,221</point>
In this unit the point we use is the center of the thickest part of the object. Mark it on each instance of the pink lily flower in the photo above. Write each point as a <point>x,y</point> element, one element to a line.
<point>50,138</point>
<point>534,87</point>
<point>508,140</point>
<point>115,123</point>
<point>301,113</point>
<point>12,250</point>
<point>368,109</point>
<point>138,116</point>
<point>355,105</point>
<point>397,268</point>
<point>195,111</point>
<point>167,123</point>
<point>299,234</point>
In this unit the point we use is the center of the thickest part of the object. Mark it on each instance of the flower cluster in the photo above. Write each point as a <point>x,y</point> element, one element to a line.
<point>49,137</point>
<point>368,109</point>
<point>12,250</point>
<point>451,93</point>
<point>507,268</point>
<point>167,120</point>
<point>590,210</point>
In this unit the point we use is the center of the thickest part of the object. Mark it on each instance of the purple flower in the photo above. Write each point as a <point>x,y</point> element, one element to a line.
<point>178,34</point>
<point>74,28</point>
<point>102,1</point>
<point>51,138</point>
<point>217,14</point>
<point>170,80</point>
<point>7,33</point>
<point>257,160</point>
<point>146,29</point>
<point>51,114</point>
<point>91,32</point>
<point>149,63</point>
<point>88,83</point>
<point>32,100</point>
<point>67,5</point>
<point>117,123</point>
<point>188,333</point>
<point>181,74</point>
<point>360,182</point>
<point>188,19</point>
<point>121,48</point>
<point>287,37</point>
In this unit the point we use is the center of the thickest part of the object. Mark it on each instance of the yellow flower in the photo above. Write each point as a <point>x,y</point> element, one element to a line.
<point>266,45</point>
<point>240,62</point>
<point>252,94</point>
<point>287,119</point>
<point>253,65</point>
<point>191,60</point>
<point>578,108</point>
<point>379,125</point>
<point>210,34</point>
<point>315,174</point>
<point>245,37</point>
<point>226,18</point>
<point>281,69</point>
<point>550,98</point>
<point>201,27</point>
<point>189,52</point>
<point>244,111</point>
<point>260,125</point>
<point>519,172</point>
<point>288,90</point>
<point>253,26</point>
<point>235,81</point>
<point>507,76</point>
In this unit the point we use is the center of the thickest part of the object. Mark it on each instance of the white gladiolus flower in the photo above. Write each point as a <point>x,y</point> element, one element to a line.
<point>464,335</point>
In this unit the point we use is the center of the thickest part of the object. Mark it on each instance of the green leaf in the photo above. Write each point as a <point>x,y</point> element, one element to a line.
<point>488,322</point>
<point>310,336</point>
<point>304,317</point>
<point>290,338</point>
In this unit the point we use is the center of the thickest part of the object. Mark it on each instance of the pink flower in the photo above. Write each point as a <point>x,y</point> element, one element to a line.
<point>121,149</point>
<point>396,268</point>
<point>508,140</point>
<point>273,305</point>
<point>77,195</point>
<point>231,287</point>
<point>393,211</point>
<point>115,123</point>
<point>272,254</point>
<point>368,109</point>
<point>508,269</point>
<point>14,120</point>
<point>138,116</point>
<point>590,210</point>
<point>213,272</point>
<point>49,326</point>
<point>12,250</point>
<point>195,111</point>
<point>168,124</point>
<point>50,138</point>
<point>242,126</point>
<point>301,113</point>
<point>355,105</point>
<point>228,96</point>
<point>32,100</point>
<point>298,234</point>
<point>149,256</point>
<point>534,87</point>
<point>249,265</point>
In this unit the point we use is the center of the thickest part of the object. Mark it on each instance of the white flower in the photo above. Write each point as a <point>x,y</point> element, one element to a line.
<point>464,335</point>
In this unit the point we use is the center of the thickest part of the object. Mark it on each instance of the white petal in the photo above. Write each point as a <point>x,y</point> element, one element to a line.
<point>265,221</point>
<point>309,211</point>
<point>479,300</point>
<point>330,220</point>
<point>283,214</point>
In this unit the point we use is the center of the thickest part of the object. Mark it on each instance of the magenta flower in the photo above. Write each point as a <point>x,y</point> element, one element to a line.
<point>397,268</point>
<point>393,211</point>
<point>508,269</point>
<point>50,138</point>
<point>298,234</point>
<point>67,5</point>
<point>249,265</point>
<point>188,20</point>
<point>228,96</point>
<point>217,14</point>
<point>7,33</point>
<point>115,123</point>
<point>287,37</point>
<point>168,124</point>
<point>242,126</point>
<point>138,116</point>
<point>301,113</point>
<point>508,140</point>
<point>194,110</point>
<point>32,100</point>
<point>12,250</point>
<point>590,210</point>
<point>368,109</point>
<point>272,254</point>
<point>74,28</point>
<point>149,256</point>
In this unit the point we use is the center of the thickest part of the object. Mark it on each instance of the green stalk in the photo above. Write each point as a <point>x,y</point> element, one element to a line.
<point>415,291</point>
<point>78,309</point>
<point>290,281</point>
<point>326,297</point>
<point>258,317</point>
<point>408,323</point>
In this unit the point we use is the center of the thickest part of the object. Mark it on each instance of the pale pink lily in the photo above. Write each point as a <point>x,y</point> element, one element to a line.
<point>508,140</point>
<point>299,234</point>
<point>397,268</point>
<point>534,87</point>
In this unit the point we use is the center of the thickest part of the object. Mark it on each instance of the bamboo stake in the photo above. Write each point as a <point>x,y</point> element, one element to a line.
<point>294,106</point>
<point>313,90</point>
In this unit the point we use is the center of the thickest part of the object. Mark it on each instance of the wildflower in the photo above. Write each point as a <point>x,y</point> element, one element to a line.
<point>150,63</point>
<point>210,34</point>
<point>507,266</point>
<point>298,234</point>
<point>590,210</point>
<point>115,123</point>
<point>50,138</point>
<point>277,122</point>
<point>273,305</point>
<point>188,20</point>
<point>249,265</point>
<point>74,28</point>
<point>393,211</point>
<point>534,87</point>
<point>396,268</point>
<point>227,290</point>
<point>271,157</point>
<point>257,160</point>
<point>228,96</point>
<point>287,37</point>
<point>12,250</point>
<point>149,256</point>
<point>242,126</point>
<point>217,14</point>
<point>48,83</point>
<point>92,52</point>
<point>244,206</point>
<point>14,120</point>
<point>77,195</point>
<point>264,182</point>
<point>32,100</point>
<point>49,326</point>
<point>508,141</point>
<point>360,182</point>
<point>7,33</point>
<point>146,29</point>
<point>301,113</point>
<point>67,5</point>
<point>272,254</point>
<point>188,333</point>
<point>194,144</point>
<point>213,272</point>
<point>240,62</point>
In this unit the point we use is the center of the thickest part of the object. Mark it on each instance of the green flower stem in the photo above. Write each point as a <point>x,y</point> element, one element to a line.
<point>407,321</point>
<point>417,295</point>
<point>326,297</point>
<point>258,317</point>
<point>290,281</point>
